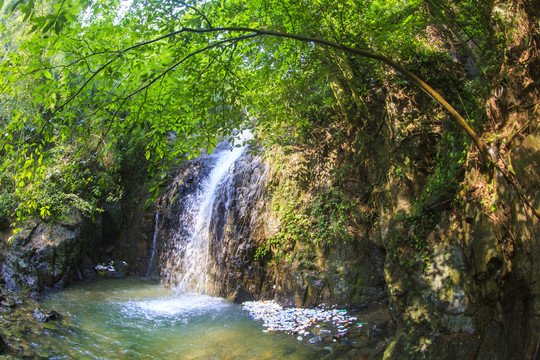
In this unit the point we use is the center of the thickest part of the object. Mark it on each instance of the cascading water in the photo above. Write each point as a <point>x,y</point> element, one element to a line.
<point>187,268</point>
<point>153,253</point>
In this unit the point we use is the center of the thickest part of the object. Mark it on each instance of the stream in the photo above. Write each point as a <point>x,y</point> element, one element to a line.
<point>136,319</point>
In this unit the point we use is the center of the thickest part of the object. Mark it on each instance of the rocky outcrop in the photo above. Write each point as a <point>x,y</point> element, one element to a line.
<point>43,255</point>
<point>243,221</point>
<point>50,254</point>
<point>475,294</point>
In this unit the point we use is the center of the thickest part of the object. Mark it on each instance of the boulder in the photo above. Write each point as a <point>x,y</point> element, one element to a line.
<point>50,254</point>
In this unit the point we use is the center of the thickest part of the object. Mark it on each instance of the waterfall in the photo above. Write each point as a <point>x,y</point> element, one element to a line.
<point>187,265</point>
<point>153,253</point>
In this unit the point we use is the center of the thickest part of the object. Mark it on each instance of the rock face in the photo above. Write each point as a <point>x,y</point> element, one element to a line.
<point>43,255</point>
<point>238,225</point>
<point>47,254</point>
<point>232,244</point>
<point>242,221</point>
<point>475,294</point>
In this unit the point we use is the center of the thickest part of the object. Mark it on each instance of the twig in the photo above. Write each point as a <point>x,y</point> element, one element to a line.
<point>172,67</point>
<point>513,136</point>
<point>197,11</point>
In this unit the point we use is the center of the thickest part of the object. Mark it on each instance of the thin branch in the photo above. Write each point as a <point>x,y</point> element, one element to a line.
<point>288,15</point>
<point>58,14</point>
<point>452,17</point>
<point>205,70</point>
<point>141,105</point>
<point>66,65</point>
<point>513,136</point>
<point>227,66</point>
<point>197,11</point>
<point>83,86</point>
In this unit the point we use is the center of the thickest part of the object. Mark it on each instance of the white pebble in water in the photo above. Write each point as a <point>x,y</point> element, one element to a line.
<point>296,320</point>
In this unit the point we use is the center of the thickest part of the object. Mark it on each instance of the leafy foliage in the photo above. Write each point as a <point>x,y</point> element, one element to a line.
<point>88,87</point>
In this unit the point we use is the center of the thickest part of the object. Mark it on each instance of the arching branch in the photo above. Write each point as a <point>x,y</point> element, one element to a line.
<point>371,55</point>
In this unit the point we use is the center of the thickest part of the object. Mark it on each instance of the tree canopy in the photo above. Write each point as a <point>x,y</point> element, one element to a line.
<point>92,90</point>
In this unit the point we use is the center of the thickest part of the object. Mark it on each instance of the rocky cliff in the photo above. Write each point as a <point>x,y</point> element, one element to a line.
<point>244,219</point>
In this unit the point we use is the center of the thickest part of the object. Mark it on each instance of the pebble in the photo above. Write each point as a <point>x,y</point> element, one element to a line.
<point>300,321</point>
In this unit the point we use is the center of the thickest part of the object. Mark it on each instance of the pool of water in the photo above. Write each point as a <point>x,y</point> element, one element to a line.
<point>135,319</point>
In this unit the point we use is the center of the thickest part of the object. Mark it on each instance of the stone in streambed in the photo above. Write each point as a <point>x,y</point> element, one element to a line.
<point>40,316</point>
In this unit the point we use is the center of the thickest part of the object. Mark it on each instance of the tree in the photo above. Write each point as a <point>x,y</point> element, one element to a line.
<point>180,70</point>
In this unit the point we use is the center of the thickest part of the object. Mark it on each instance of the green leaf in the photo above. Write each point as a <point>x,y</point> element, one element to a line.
<point>15,5</point>
<point>406,21</point>
<point>48,27</point>
<point>57,28</point>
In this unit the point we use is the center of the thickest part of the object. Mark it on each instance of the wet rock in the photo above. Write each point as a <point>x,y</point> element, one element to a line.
<point>54,315</point>
<point>122,268</point>
<point>17,278</point>
<point>114,269</point>
<point>8,302</point>
<point>87,268</point>
<point>40,316</point>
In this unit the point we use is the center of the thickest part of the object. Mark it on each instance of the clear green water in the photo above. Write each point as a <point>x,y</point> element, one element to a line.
<point>134,319</point>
